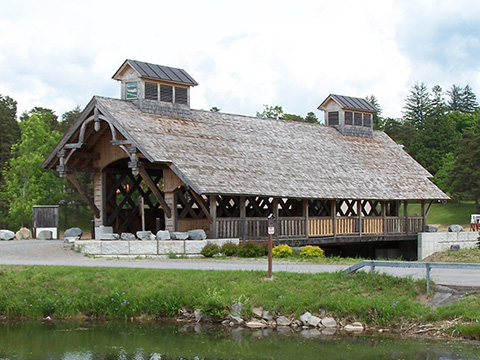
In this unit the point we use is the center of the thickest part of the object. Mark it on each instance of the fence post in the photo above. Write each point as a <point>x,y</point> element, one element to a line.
<point>427,265</point>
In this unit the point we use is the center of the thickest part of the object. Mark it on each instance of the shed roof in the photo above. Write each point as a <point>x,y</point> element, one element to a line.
<point>220,153</point>
<point>349,103</point>
<point>159,72</point>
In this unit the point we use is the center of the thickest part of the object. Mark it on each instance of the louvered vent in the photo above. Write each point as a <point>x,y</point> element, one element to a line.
<point>151,91</point>
<point>333,118</point>
<point>357,120</point>
<point>166,93</point>
<point>367,120</point>
<point>348,118</point>
<point>181,95</point>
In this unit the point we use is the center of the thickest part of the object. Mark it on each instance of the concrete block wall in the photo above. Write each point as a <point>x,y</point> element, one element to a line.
<point>145,248</point>
<point>429,243</point>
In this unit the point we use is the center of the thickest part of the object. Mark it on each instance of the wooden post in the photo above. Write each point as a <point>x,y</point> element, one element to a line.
<point>334,217</point>
<point>424,222</point>
<point>384,216</point>
<point>153,187</point>
<point>271,227</point>
<point>213,216</point>
<point>360,216</point>
<point>305,215</point>
<point>243,226</point>
<point>405,210</point>
<point>275,217</point>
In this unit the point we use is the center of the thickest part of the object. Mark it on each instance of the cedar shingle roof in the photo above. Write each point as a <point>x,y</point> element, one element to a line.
<point>239,155</point>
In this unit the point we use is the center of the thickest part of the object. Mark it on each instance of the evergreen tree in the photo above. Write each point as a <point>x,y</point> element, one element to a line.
<point>311,118</point>
<point>378,121</point>
<point>68,118</point>
<point>418,106</point>
<point>470,103</point>
<point>402,132</point>
<point>462,99</point>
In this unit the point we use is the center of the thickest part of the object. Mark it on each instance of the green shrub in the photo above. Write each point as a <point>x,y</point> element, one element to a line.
<point>251,248</point>
<point>229,249</point>
<point>310,252</point>
<point>282,251</point>
<point>210,249</point>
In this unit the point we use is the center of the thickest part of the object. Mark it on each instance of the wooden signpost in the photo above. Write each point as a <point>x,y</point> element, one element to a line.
<point>271,231</point>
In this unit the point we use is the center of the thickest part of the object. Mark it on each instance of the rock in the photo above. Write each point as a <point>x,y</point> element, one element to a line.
<point>431,228</point>
<point>310,333</point>
<point>236,320</point>
<point>255,324</point>
<point>7,235</point>
<point>296,323</point>
<point>283,321</point>
<point>329,322</point>
<point>23,234</point>
<point>236,309</point>
<point>70,240</point>
<point>455,228</point>
<point>110,237</point>
<point>73,232</point>
<point>266,315</point>
<point>145,235</point>
<point>198,315</point>
<point>355,327</point>
<point>179,236</point>
<point>257,311</point>
<point>163,235</point>
<point>305,318</point>
<point>315,321</point>
<point>127,237</point>
<point>455,247</point>
<point>45,235</point>
<point>329,331</point>
<point>197,234</point>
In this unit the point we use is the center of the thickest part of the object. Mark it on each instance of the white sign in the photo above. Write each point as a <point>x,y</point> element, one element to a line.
<point>271,230</point>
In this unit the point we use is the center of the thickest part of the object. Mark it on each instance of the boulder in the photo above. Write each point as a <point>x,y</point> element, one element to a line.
<point>23,234</point>
<point>315,321</point>
<point>145,235</point>
<point>255,325</point>
<point>127,237</point>
<point>266,315</point>
<point>355,327</point>
<point>7,235</point>
<point>179,236</point>
<point>236,309</point>
<point>305,318</point>
<point>163,235</point>
<point>73,232</point>
<point>197,234</point>
<point>455,228</point>
<point>329,322</point>
<point>45,235</point>
<point>431,228</point>
<point>455,247</point>
<point>283,321</point>
<point>257,311</point>
<point>236,320</point>
<point>198,315</point>
<point>110,237</point>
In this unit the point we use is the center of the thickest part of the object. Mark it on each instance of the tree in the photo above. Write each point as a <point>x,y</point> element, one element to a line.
<point>68,118</point>
<point>43,113</point>
<point>462,99</point>
<point>399,130</point>
<point>26,184</point>
<point>417,106</point>
<point>378,121</point>
<point>271,112</point>
<point>215,109</point>
<point>311,118</point>
<point>470,103</point>
<point>465,177</point>
<point>10,133</point>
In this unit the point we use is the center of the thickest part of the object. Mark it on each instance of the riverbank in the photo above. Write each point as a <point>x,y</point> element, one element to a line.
<point>378,302</point>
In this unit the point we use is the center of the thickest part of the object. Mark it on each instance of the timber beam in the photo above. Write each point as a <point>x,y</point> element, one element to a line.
<point>153,187</point>
<point>82,192</point>
<point>200,202</point>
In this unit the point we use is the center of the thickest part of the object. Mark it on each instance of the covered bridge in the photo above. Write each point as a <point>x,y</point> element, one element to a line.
<point>225,173</point>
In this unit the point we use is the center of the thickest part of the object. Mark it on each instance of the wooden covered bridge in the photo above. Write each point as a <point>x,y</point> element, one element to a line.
<point>225,173</point>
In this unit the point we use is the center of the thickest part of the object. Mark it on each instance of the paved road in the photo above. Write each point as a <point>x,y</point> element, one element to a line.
<point>52,252</point>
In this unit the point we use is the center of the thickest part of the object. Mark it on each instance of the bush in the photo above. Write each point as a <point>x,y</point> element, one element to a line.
<point>251,248</point>
<point>229,249</point>
<point>282,251</point>
<point>210,249</point>
<point>310,252</point>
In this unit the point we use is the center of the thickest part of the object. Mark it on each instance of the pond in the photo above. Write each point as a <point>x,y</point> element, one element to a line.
<point>123,340</point>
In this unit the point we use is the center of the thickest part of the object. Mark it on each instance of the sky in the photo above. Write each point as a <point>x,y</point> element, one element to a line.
<point>244,54</point>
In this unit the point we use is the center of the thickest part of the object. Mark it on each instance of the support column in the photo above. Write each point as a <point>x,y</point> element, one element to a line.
<point>243,216</point>
<point>360,215</point>
<point>424,218</point>
<point>334,217</point>
<point>405,213</point>
<point>384,216</point>
<point>275,215</point>
<point>305,216</point>
<point>213,216</point>
<point>171,222</point>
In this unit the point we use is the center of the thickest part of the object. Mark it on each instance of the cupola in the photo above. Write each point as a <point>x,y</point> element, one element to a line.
<point>349,115</point>
<point>155,88</point>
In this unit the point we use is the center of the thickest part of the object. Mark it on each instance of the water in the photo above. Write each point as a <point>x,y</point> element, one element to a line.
<point>122,341</point>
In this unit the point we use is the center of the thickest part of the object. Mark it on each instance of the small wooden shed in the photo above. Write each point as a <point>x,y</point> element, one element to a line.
<point>225,173</point>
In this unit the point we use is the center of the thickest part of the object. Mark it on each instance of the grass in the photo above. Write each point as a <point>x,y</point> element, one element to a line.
<point>64,292</point>
<point>447,214</point>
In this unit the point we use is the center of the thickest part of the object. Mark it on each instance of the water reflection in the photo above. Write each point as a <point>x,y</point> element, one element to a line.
<point>139,341</point>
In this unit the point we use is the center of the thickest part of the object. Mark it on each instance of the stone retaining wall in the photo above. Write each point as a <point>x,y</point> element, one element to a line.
<point>431,242</point>
<point>146,247</point>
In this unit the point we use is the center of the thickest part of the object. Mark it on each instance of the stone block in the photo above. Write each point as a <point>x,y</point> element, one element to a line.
<point>194,246</point>
<point>89,247</point>
<point>73,232</point>
<point>166,247</point>
<point>23,234</point>
<point>7,235</point>
<point>100,230</point>
<point>115,247</point>
<point>45,235</point>
<point>143,248</point>
<point>163,235</point>
<point>197,234</point>
<point>179,235</point>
